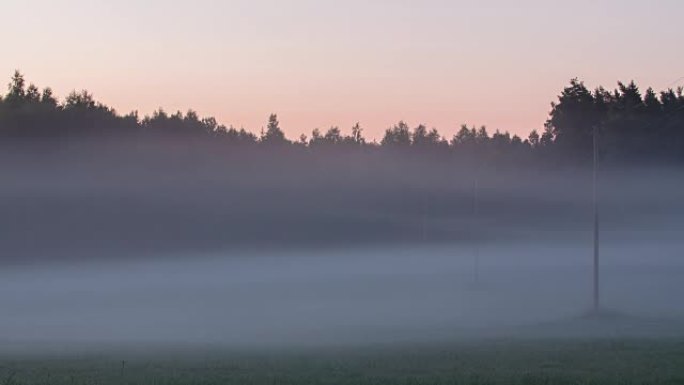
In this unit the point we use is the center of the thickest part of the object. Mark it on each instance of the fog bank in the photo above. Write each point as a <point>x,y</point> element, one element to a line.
<point>336,298</point>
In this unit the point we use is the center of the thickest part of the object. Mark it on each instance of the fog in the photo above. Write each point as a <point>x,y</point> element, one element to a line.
<point>338,297</point>
<point>250,252</point>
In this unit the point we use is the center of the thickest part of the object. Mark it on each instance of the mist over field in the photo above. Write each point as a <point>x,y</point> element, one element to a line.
<point>108,248</point>
<point>341,192</point>
<point>92,200</point>
<point>423,294</point>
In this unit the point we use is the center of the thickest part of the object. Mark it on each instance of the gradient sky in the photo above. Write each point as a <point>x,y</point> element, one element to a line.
<point>319,63</point>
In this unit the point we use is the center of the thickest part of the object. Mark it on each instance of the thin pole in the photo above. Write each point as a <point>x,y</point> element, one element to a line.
<point>476,225</point>
<point>596,221</point>
<point>425,217</point>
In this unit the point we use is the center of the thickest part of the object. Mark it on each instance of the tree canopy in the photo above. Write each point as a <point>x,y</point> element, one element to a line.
<point>634,126</point>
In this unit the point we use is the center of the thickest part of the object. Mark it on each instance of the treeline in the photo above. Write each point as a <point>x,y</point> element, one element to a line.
<point>171,183</point>
<point>633,126</point>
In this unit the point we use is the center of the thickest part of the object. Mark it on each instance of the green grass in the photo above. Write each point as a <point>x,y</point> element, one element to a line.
<point>502,362</point>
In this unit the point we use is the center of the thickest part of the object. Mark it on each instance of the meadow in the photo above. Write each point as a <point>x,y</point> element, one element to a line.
<point>551,361</point>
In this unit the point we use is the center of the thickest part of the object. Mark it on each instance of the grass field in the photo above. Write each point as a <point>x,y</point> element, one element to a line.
<point>624,361</point>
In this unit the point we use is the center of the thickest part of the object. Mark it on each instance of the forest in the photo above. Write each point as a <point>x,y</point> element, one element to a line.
<point>634,127</point>
<point>82,180</point>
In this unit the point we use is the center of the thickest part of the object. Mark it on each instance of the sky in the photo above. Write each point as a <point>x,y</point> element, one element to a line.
<point>318,63</point>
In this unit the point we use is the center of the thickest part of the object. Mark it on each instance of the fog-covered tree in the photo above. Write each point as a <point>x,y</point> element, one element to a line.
<point>533,138</point>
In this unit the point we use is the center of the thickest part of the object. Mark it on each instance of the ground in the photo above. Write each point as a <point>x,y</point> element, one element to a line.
<point>549,361</point>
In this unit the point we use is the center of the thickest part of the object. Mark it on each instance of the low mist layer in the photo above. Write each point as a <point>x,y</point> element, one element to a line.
<point>109,244</point>
<point>92,200</point>
<point>356,296</point>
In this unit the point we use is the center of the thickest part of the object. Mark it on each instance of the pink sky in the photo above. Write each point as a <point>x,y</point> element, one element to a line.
<point>319,63</point>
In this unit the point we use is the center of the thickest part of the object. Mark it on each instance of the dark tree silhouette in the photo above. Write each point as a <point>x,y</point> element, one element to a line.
<point>273,135</point>
<point>397,136</point>
<point>357,135</point>
<point>634,126</point>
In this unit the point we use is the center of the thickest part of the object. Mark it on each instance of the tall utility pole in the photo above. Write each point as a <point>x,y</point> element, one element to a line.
<point>476,228</point>
<point>425,217</point>
<point>596,221</point>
